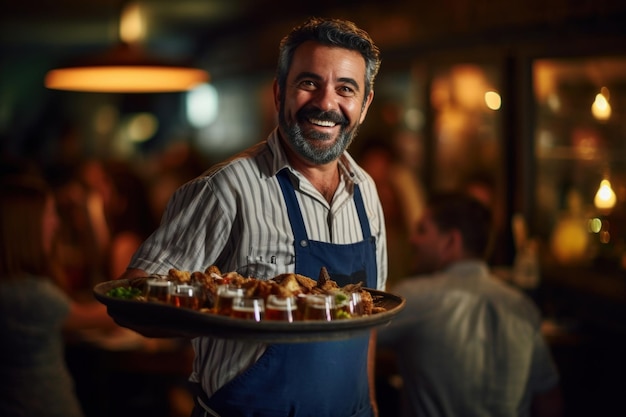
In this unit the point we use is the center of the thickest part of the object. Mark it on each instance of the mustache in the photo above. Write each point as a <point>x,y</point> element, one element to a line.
<point>314,113</point>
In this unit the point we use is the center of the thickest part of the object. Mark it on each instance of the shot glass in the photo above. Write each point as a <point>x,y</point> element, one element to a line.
<point>158,289</point>
<point>320,307</point>
<point>301,306</point>
<point>281,308</point>
<point>186,295</point>
<point>226,294</point>
<point>348,305</point>
<point>248,308</point>
<point>355,304</point>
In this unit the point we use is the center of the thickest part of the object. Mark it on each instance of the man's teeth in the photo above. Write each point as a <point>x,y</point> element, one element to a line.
<point>324,123</point>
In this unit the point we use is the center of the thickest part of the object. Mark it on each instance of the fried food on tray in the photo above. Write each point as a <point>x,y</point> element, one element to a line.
<point>179,276</point>
<point>284,285</point>
<point>295,282</point>
<point>324,282</point>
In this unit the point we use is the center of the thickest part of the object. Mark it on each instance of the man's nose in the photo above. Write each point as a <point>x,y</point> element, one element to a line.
<point>325,99</point>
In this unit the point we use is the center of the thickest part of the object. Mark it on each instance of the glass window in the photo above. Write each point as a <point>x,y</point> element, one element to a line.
<point>580,145</point>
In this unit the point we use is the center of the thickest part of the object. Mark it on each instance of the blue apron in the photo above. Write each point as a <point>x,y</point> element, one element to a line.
<point>321,379</point>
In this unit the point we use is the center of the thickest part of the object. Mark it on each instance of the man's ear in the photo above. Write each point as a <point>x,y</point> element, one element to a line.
<point>366,106</point>
<point>454,245</point>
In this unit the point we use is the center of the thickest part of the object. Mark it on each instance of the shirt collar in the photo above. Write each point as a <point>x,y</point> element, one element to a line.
<point>469,267</point>
<point>347,165</point>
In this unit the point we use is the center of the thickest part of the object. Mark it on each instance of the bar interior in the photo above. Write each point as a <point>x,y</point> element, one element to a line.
<point>523,102</point>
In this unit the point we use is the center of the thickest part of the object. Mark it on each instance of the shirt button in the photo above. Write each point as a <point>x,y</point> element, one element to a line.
<point>304,243</point>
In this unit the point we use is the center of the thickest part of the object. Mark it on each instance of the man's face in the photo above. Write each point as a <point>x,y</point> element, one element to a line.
<point>323,104</point>
<point>429,244</point>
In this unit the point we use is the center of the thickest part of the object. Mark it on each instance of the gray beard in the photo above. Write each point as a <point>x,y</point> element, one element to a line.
<point>304,146</point>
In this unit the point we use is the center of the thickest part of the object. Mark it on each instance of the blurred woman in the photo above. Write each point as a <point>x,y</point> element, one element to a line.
<point>128,215</point>
<point>34,311</point>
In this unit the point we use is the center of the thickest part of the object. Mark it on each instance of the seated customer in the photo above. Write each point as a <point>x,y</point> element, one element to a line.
<point>34,311</point>
<point>466,343</point>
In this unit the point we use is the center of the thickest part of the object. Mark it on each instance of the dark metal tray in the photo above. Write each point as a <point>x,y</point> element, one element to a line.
<point>163,320</point>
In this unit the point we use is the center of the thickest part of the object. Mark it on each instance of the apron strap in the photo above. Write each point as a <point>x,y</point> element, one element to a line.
<point>360,209</point>
<point>293,208</point>
<point>200,399</point>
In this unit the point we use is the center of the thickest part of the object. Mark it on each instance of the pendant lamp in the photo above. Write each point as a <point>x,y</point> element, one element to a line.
<point>126,68</point>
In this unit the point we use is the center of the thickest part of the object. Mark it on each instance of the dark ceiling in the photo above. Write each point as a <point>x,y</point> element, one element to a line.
<point>219,32</point>
<point>76,23</point>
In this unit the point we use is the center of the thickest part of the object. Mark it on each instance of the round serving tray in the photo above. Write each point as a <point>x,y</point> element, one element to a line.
<point>153,319</point>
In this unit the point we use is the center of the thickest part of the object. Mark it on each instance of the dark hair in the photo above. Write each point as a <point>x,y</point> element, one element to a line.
<point>459,211</point>
<point>332,32</point>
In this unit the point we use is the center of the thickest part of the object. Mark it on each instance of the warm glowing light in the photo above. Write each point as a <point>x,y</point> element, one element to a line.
<point>141,127</point>
<point>554,102</point>
<point>126,68</point>
<point>493,100</point>
<point>132,24</point>
<point>468,84</point>
<point>605,197</point>
<point>601,109</point>
<point>130,79</point>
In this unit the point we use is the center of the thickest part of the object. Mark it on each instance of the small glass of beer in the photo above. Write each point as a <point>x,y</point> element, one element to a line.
<point>281,308</point>
<point>320,307</point>
<point>248,308</point>
<point>356,304</point>
<point>348,305</point>
<point>158,289</point>
<point>226,293</point>
<point>185,295</point>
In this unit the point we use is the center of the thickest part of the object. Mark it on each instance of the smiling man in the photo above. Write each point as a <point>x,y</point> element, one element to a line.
<point>329,103</point>
<point>296,202</point>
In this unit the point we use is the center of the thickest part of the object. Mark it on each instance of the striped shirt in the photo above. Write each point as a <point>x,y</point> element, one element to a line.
<point>234,216</point>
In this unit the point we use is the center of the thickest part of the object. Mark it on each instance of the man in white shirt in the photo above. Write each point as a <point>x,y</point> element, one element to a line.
<point>466,343</point>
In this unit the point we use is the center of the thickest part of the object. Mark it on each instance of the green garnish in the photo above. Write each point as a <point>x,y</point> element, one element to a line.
<point>340,298</point>
<point>342,314</point>
<point>124,292</point>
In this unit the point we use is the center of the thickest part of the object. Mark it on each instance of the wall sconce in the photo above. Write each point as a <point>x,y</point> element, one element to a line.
<point>605,198</point>
<point>601,108</point>
<point>126,68</point>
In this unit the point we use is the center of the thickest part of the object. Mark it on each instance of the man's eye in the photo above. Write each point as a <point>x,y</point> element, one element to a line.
<point>346,91</point>
<point>307,84</point>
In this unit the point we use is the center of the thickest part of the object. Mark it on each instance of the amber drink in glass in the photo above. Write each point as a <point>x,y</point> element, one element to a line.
<point>320,307</point>
<point>281,308</point>
<point>225,295</point>
<point>158,289</point>
<point>187,296</point>
<point>248,308</point>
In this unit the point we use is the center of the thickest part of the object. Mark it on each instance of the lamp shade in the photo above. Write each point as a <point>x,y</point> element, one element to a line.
<point>126,68</point>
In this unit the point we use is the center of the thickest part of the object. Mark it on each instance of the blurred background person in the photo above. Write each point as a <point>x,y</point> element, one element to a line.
<point>127,213</point>
<point>35,312</point>
<point>402,197</point>
<point>484,187</point>
<point>466,343</point>
<point>83,236</point>
<point>105,214</point>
